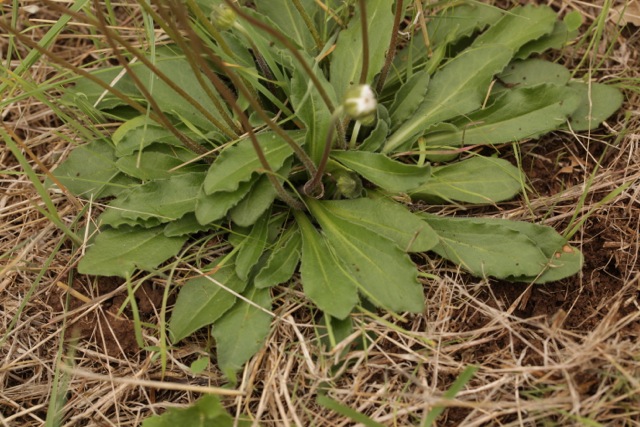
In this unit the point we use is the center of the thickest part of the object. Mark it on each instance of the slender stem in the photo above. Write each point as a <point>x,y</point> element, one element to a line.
<point>282,39</point>
<point>234,131</point>
<point>314,188</point>
<point>309,23</point>
<point>196,49</point>
<point>391,52</point>
<point>365,41</point>
<point>203,20</point>
<point>102,25</point>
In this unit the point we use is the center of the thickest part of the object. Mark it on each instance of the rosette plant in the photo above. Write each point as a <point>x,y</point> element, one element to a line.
<point>302,143</point>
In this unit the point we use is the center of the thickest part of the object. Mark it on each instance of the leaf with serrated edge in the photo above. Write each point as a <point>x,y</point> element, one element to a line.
<point>210,208</point>
<point>476,180</point>
<point>282,260</point>
<point>386,218</point>
<point>408,98</point>
<point>238,164</point>
<point>487,249</point>
<point>121,252</point>
<point>202,300</point>
<point>382,171</point>
<point>384,273</point>
<point>324,279</point>
<point>346,59</point>
<point>241,331</point>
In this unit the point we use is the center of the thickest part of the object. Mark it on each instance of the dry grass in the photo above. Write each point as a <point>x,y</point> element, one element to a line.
<point>561,354</point>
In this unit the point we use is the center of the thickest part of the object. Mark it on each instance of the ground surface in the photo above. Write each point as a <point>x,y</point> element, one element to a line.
<point>565,353</point>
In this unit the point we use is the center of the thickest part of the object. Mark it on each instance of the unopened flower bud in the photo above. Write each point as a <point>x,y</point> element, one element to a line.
<point>223,17</point>
<point>360,103</point>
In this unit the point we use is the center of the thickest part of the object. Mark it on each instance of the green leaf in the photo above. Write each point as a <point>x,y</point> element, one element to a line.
<point>518,26</point>
<point>163,199</point>
<point>89,171</point>
<point>378,135</point>
<point>598,102</point>
<point>252,247</point>
<point>346,411</point>
<point>121,252</point>
<point>408,98</point>
<point>206,412</point>
<point>177,69</point>
<point>382,171</point>
<point>203,300</point>
<point>282,260</point>
<point>211,208</point>
<point>517,114</point>
<point>241,331</point>
<point>383,272</point>
<point>140,132</point>
<point>199,365</point>
<point>324,279</point>
<point>239,163</point>
<point>285,15</point>
<point>346,59</point>
<point>457,89</point>
<point>386,218</point>
<point>563,260</point>
<point>485,249</point>
<point>447,26</point>
<point>563,32</point>
<point>188,224</point>
<point>159,162</point>
<point>258,200</point>
<point>478,180</point>
<point>532,72</point>
<point>311,109</point>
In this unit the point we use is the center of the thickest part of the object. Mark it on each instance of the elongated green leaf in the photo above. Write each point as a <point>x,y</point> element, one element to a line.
<point>282,261</point>
<point>487,249</point>
<point>517,114</point>
<point>203,300</point>
<point>159,162</point>
<point>563,259</point>
<point>188,224</point>
<point>237,164</point>
<point>164,199</point>
<point>252,247</point>
<point>177,69</point>
<point>563,32</point>
<point>532,72</point>
<point>386,218</point>
<point>409,98</point>
<point>241,331</point>
<point>447,26</point>
<point>346,60</point>
<point>284,14</point>
<point>89,171</point>
<point>476,180</point>
<point>211,208</point>
<point>384,273</point>
<point>457,89</point>
<point>377,137</point>
<point>346,411</point>
<point>120,252</point>
<point>382,171</point>
<point>258,200</point>
<point>598,102</point>
<point>325,280</point>
<point>140,132</point>
<point>312,110</point>
<point>519,26</point>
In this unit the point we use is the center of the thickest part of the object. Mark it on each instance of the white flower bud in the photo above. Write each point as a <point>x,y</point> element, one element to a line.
<point>360,103</point>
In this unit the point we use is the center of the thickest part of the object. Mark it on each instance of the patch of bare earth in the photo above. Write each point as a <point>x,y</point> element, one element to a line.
<point>559,354</point>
